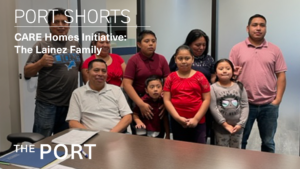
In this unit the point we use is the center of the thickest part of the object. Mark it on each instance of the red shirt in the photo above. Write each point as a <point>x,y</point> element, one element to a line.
<point>186,93</point>
<point>114,70</point>
<point>153,124</point>
<point>139,68</point>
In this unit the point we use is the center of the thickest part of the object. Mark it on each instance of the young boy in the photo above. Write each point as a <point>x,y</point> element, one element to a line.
<point>159,124</point>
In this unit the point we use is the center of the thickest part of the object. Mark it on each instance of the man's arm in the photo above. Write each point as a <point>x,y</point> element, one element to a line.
<point>123,124</point>
<point>32,69</point>
<point>281,83</point>
<point>76,124</point>
<point>74,112</point>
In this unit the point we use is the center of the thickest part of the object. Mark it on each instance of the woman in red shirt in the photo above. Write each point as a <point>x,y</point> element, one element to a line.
<point>187,98</point>
<point>115,63</point>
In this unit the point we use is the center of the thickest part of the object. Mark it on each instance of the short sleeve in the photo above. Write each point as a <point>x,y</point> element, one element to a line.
<point>74,112</point>
<point>117,57</point>
<point>130,69</point>
<point>34,57</point>
<point>168,83</point>
<point>204,84</point>
<point>280,65</point>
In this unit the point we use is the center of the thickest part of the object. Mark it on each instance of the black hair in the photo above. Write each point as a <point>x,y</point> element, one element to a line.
<point>96,39</point>
<point>229,62</point>
<point>194,35</point>
<point>240,84</point>
<point>183,47</point>
<point>143,33</point>
<point>57,11</point>
<point>90,66</point>
<point>151,78</point>
<point>256,16</point>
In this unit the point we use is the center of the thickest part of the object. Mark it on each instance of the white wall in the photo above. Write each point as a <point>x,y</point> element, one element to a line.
<point>175,19</point>
<point>9,89</point>
<point>283,30</point>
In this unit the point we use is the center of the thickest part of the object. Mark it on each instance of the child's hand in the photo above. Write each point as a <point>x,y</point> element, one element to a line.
<point>192,123</point>
<point>162,111</point>
<point>182,121</point>
<point>236,128</point>
<point>140,126</point>
<point>146,111</point>
<point>228,127</point>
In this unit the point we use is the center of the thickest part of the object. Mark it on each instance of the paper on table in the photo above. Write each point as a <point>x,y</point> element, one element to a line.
<point>74,137</point>
<point>56,162</point>
<point>58,166</point>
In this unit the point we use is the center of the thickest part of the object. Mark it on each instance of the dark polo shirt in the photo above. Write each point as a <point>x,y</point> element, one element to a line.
<point>140,67</point>
<point>155,123</point>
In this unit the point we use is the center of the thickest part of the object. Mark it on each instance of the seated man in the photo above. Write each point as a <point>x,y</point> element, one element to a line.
<point>98,105</point>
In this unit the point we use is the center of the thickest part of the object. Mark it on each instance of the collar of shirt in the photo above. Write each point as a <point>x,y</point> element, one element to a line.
<point>202,57</point>
<point>264,44</point>
<point>105,89</point>
<point>148,99</point>
<point>144,58</point>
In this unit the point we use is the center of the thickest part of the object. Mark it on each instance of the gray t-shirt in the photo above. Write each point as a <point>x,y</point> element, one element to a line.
<point>228,104</point>
<point>56,83</point>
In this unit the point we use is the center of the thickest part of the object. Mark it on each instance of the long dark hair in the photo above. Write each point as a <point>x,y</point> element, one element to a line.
<point>194,35</point>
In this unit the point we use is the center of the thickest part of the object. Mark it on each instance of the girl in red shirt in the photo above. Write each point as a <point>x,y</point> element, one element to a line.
<point>115,63</point>
<point>187,98</point>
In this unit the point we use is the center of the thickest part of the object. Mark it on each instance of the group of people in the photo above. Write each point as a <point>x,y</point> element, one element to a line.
<point>193,96</point>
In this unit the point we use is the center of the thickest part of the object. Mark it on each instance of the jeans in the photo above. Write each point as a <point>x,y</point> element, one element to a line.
<point>266,116</point>
<point>49,118</point>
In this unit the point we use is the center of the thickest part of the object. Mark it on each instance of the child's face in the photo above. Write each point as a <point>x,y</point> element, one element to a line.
<point>147,45</point>
<point>184,60</point>
<point>154,89</point>
<point>224,71</point>
<point>103,43</point>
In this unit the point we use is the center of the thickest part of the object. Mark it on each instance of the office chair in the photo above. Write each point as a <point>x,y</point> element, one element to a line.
<point>16,138</point>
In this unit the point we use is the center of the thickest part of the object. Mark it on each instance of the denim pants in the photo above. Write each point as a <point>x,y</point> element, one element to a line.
<point>49,118</point>
<point>266,116</point>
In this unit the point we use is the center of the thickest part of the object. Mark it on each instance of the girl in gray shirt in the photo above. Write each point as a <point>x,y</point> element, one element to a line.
<point>229,106</point>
